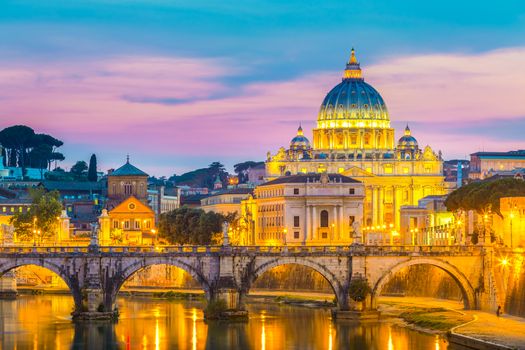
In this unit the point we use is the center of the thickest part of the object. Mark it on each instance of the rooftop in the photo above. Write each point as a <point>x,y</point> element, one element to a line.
<point>304,178</point>
<point>128,170</point>
<point>73,185</point>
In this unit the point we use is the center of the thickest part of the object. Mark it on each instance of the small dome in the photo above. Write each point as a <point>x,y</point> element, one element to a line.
<point>407,141</point>
<point>300,142</point>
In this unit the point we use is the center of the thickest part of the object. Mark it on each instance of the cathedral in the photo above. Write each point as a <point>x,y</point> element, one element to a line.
<point>354,138</point>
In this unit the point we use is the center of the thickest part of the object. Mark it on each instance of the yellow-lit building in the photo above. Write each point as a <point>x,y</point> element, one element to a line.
<point>316,209</point>
<point>128,218</point>
<point>226,201</point>
<point>353,137</point>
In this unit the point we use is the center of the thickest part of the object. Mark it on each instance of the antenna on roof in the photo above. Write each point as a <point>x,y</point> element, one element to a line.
<point>127,158</point>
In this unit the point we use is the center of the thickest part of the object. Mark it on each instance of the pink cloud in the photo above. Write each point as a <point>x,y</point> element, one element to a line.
<point>452,87</point>
<point>174,106</point>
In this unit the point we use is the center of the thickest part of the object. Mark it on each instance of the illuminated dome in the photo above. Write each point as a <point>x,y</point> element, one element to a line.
<point>407,141</point>
<point>353,103</point>
<point>299,142</point>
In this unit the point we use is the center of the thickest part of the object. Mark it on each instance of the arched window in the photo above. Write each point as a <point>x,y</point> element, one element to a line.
<point>324,218</point>
<point>127,189</point>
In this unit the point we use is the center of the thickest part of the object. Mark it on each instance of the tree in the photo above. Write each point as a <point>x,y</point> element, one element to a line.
<point>92,170</point>
<point>79,169</point>
<point>189,226</point>
<point>359,289</point>
<point>16,139</point>
<point>24,148</point>
<point>241,169</point>
<point>484,196</point>
<point>40,222</point>
<point>204,177</point>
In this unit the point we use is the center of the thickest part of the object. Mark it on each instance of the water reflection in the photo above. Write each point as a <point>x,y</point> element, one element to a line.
<point>43,322</point>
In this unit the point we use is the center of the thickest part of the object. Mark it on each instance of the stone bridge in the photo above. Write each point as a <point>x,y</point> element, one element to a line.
<point>95,274</point>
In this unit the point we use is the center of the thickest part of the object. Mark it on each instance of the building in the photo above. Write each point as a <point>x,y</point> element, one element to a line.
<point>129,223</point>
<point>227,201</point>
<point>125,182</point>
<point>510,226</point>
<point>353,137</point>
<point>428,223</point>
<point>256,174</point>
<point>316,209</point>
<point>484,164</point>
<point>127,218</point>
<point>17,173</point>
<point>456,170</point>
<point>161,202</point>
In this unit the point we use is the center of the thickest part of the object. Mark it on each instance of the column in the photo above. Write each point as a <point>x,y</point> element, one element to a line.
<point>394,207</point>
<point>335,227</point>
<point>381,206</point>
<point>314,222</point>
<point>342,224</point>
<point>308,228</point>
<point>374,206</point>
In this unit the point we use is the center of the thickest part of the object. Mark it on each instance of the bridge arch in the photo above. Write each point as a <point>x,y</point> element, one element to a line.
<point>467,291</point>
<point>337,287</point>
<point>131,269</point>
<point>60,270</point>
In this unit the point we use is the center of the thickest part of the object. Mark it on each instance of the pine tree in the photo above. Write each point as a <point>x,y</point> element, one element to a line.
<point>92,170</point>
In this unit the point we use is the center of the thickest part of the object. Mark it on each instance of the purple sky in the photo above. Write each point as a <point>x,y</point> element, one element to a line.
<point>178,109</point>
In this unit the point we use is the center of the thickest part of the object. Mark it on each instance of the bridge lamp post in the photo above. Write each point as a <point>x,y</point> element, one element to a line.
<point>285,231</point>
<point>511,241</point>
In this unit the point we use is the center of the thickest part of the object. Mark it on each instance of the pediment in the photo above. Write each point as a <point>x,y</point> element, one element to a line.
<point>357,172</point>
<point>131,205</point>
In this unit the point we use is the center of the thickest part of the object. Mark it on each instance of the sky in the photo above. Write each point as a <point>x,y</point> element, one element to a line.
<point>180,84</point>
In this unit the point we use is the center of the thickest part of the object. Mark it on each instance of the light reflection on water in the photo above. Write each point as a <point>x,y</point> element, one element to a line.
<point>43,322</point>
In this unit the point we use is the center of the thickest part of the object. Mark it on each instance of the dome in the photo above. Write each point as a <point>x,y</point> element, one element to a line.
<point>407,141</point>
<point>353,103</point>
<point>300,142</point>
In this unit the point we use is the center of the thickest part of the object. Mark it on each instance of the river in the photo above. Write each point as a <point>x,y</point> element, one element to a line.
<point>43,322</point>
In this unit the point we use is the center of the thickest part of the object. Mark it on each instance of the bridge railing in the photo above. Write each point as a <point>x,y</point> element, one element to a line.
<point>287,249</point>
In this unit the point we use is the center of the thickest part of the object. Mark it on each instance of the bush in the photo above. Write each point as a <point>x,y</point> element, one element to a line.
<point>215,308</point>
<point>359,289</point>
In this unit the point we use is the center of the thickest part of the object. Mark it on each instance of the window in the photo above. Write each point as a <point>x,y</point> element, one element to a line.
<point>126,224</point>
<point>295,191</point>
<point>115,224</point>
<point>324,218</point>
<point>148,224</point>
<point>127,188</point>
<point>296,221</point>
<point>4,209</point>
<point>137,224</point>
<point>351,220</point>
<point>324,235</point>
<point>296,235</point>
<point>351,191</point>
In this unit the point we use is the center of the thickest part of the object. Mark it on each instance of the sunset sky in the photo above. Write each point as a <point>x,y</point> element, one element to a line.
<point>179,84</point>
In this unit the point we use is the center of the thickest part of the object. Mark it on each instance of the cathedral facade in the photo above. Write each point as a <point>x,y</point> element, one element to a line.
<point>354,138</point>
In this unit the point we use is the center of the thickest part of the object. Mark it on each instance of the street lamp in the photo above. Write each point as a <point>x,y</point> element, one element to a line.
<point>511,217</point>
<point>284,235</point>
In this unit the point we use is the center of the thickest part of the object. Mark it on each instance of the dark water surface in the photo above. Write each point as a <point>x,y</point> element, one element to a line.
<point>43,322</point>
